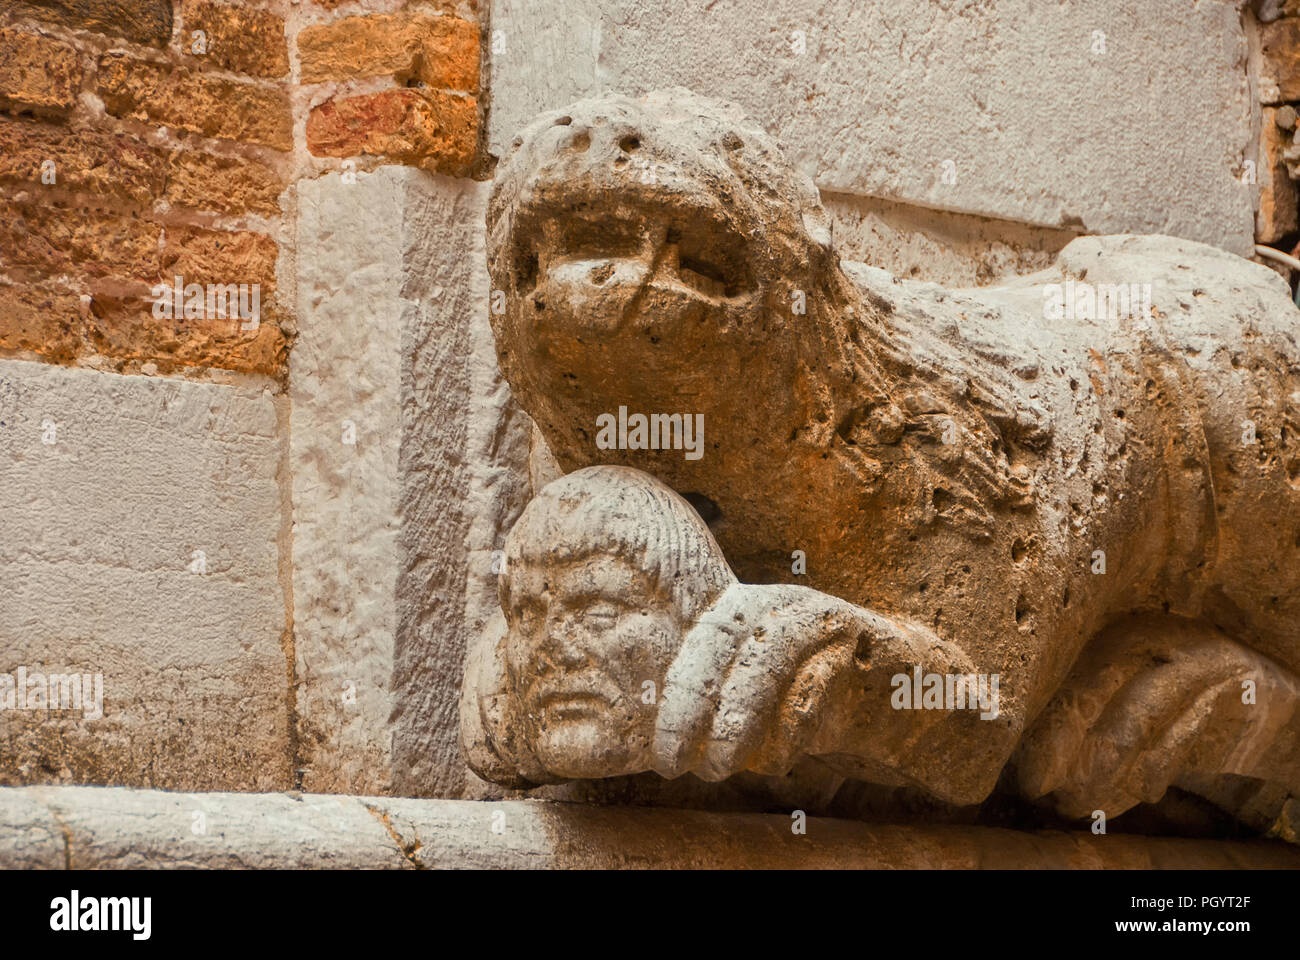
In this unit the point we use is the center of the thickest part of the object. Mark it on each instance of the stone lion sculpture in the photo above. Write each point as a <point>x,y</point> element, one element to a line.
<point>1075,495</point>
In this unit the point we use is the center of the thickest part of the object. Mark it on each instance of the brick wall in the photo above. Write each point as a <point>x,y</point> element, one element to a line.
<point>396,86</point>
<point>141,142</point>
<point>1278,217</point>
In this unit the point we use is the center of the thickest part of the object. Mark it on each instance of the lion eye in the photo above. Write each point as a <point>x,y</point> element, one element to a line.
<point>711,258</point>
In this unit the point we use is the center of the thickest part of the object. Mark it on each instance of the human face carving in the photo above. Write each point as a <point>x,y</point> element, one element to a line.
<point>583,639</point>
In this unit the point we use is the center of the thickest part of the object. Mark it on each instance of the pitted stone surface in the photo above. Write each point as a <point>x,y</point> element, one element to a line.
<point>401,444</point>
<point>1059,482</point>
<point>345,435</point>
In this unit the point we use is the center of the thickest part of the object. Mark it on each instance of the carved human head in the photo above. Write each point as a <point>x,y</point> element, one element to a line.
<point>605,571</point>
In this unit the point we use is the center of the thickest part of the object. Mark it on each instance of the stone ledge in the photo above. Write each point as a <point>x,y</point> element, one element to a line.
<point>116,827</point>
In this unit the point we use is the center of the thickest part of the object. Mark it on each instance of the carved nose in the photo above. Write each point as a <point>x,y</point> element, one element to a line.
<point>562,644</point>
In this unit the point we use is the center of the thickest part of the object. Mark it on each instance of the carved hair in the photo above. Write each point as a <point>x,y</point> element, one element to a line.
<point>616,511</point>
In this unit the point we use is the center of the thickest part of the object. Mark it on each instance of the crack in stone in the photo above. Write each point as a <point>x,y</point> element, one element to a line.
<point>410,852</point>
<point>67,837</point>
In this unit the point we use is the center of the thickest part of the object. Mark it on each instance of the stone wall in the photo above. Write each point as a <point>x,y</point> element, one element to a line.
<point>275,540</point>
<point>170,478</point>
<point>1068,120</point>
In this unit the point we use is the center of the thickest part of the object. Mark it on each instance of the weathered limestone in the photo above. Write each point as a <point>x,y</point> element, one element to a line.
<point>384,380</point>
<point>458,468</point>
<point>145,829</point>
<point>1049,115</point>
<point>1115,707</point>
<point>991,479</point>
<point>499,438</point>
<point>141,520</point>
<point>30,835</point>
<point>345,438</point>
<point>89,828</point>
<point>952,249</point>
<point>631,647</point>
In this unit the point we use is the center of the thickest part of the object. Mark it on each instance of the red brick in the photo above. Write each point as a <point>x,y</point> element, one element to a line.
<point>428,129</point>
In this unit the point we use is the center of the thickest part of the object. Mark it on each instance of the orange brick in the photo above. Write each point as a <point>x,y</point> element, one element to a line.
<point>236,38</point>
<point>44,321</point>
<point>85,161</point>
<point>1280,49</point>
<point>37,74</point>
<point>195,101</point>
<point>435,131</point>
<point>123,167</point>
<point>222,184</point>
<point>58,238</point>
<point>1279,202</point>
<point>219,256</point>
<point>126,328</point>
<point>140,21</point>
<point>442,52</point>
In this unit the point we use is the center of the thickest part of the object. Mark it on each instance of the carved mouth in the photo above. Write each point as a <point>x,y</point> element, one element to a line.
<point>573,706</point>
<point>569,698</point>
<point>676,242</point>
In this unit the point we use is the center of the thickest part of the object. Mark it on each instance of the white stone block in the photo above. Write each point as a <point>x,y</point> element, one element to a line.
<point>389,389</point>
<point>139,541</point>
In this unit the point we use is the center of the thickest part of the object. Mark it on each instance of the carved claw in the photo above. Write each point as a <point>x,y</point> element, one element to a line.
<point>1155,699</point>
